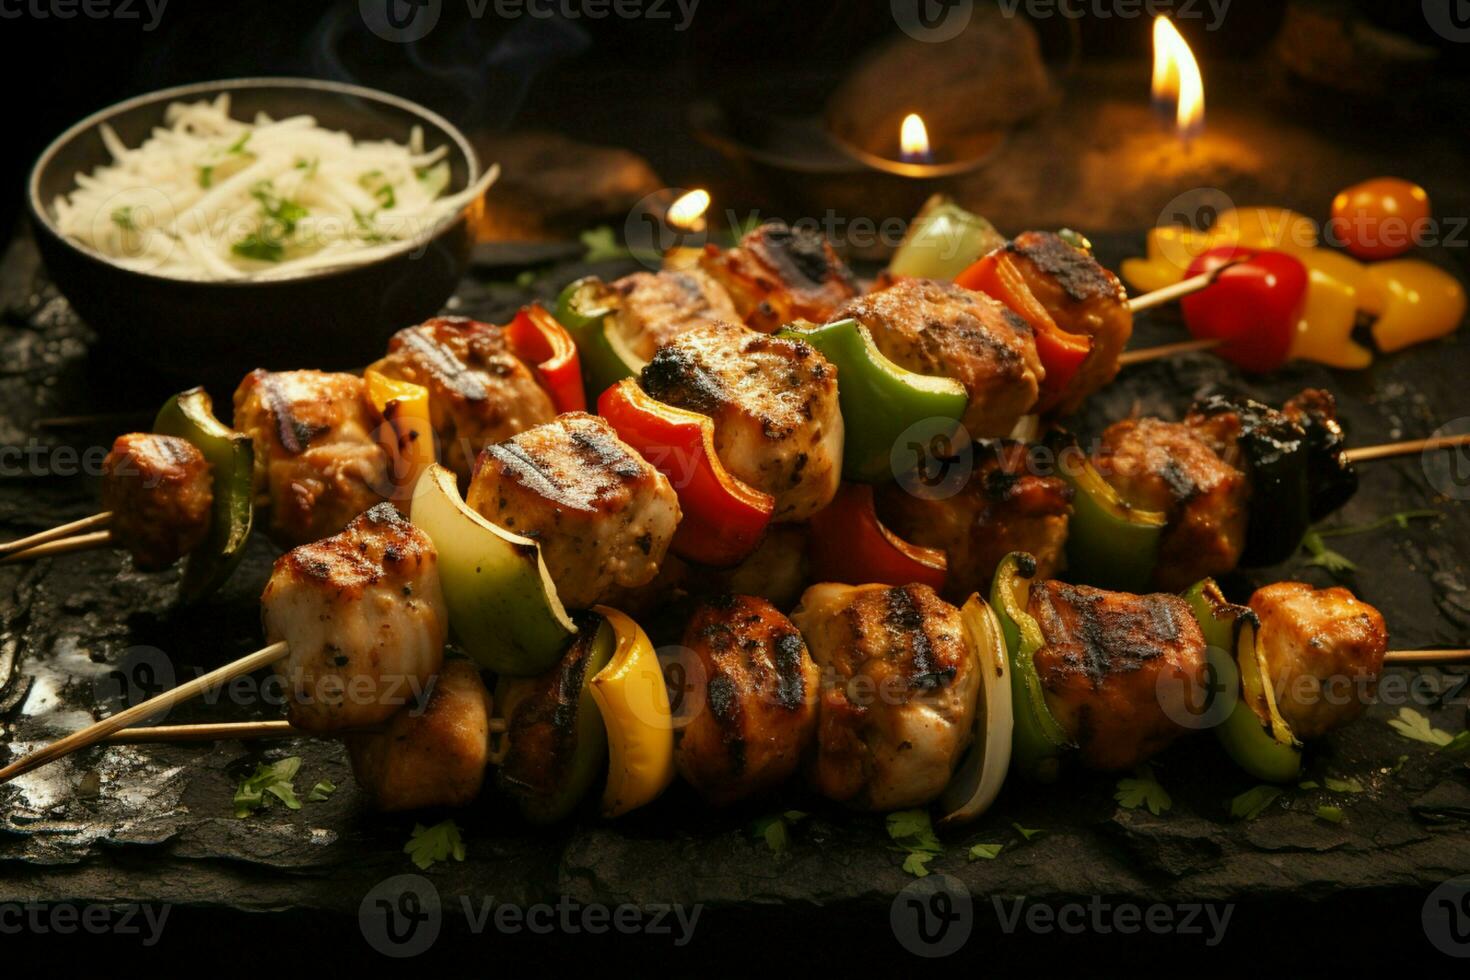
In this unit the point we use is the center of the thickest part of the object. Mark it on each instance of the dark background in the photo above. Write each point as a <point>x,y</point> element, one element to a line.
<point>615,81</point>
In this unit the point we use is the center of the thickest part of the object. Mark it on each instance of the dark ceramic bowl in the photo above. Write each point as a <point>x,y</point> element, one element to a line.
<point>220,330</point>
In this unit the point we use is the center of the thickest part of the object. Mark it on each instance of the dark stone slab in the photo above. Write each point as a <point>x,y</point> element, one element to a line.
<point>155,823</point>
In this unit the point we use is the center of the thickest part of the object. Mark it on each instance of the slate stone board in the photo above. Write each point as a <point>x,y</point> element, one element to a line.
<point>154,823</point>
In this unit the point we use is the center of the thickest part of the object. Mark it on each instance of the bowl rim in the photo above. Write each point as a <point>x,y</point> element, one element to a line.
<point>40,214</point>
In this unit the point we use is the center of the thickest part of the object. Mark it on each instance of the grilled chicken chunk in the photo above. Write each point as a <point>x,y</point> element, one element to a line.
<point>757,691</point>
<point>1324,649</point>
<point>543,729</point>
<point>602,515</point>
<point>1119,671</point>
<point>159,491</point>
<point>899,683</point>
<point>1082,298</point>
<point>432,753</point>
<point>938,328</point>
<point>778,426</point>
<point>480,392</point>
<point>775,571</point>
<point>1171,467</point>
<point>317,463</point>
<point>1001,508</point>
<point>365,620</point>
<point>655,307</point>
<point>779,274</point>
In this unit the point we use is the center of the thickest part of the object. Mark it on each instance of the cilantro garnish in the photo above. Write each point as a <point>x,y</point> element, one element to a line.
<point>1411,724</point>
<point>1253,802</point>
<point>269,779</point>
<point>1336,562</point>
<point>1331,814</point>
<point>985,852</point>
<point>1143,789</point>
<point>914,834</point>
<point>775,829</point>
<point>430,845</point>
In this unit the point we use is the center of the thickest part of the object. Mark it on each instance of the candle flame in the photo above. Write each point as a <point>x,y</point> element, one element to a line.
<point>1177,79</point>
<point>688,208</point>
<point>913,138</point>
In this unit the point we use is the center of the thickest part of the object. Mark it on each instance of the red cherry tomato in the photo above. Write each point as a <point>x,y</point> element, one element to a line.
<point>1252,306</point>
<point>1379,218</point>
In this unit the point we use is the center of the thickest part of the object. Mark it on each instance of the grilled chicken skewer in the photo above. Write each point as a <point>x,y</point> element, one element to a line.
<point>1196,475</point>
<point>753,703</point>
<point>356,624</point>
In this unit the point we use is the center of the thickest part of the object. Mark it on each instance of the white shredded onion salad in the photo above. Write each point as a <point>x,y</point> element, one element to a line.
<point>211,198</point>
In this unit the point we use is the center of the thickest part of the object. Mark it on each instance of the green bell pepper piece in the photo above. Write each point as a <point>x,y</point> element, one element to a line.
<point>1253,734</point>
<point>556,715</point>
<point>189,415</point>
<point>585,310</point>
<point>1038,741</point>
<point>503,607</point>
<point>1110,543</point>
<point>879,398</point>
<point>943,240</point>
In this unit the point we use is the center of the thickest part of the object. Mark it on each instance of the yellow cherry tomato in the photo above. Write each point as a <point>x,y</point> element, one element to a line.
<point>1325,326</point>
<point>1422,302</point>
<point>1265,227</point>
<point>1380,218</point>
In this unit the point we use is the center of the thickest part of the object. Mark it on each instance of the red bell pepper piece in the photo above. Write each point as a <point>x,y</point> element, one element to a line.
<point>723,518</point>
<point>540,340</point>
<point>848,543</point>
<point>1062,354</point>
<point>1253,305</point>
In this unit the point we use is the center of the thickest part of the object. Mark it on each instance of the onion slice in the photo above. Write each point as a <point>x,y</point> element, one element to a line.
<point>982,772</point>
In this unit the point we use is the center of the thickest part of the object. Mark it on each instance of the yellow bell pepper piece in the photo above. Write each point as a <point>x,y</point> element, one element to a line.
<point>1170,250</point>
<point>1348,271</point>
<point>1422,302</point>
<point>1325,326</point>
<point>405,435</point>
<point>1265,227</point>
<point>634,702</point>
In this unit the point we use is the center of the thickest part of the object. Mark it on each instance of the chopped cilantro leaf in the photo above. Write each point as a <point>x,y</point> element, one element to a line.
<point>985,852</point>
<point>269,779</point>
<point>1253,802</point>
<point>430,845</point>
<point>1411,724</point>
<point>1143,789</point>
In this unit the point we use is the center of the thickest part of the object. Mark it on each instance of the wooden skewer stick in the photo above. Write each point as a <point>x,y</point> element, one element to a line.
<point>1166,350</point>
<point>93,734</point>
<point>1170,293</point>
<point>223,731</point>
<point>1408,448</point>
<point>1413,657</point>
<point>60,531</point>
<point>82,542</point>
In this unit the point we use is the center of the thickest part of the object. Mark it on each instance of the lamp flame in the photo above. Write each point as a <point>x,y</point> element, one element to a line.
<point>687,211</point>
<point>1177,81</point>
<point>913,139</point>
